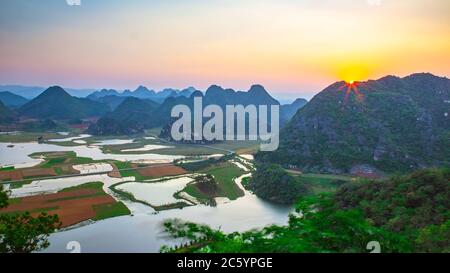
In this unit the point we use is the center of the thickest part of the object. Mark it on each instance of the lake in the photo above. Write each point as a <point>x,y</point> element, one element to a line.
<point>141,232</point>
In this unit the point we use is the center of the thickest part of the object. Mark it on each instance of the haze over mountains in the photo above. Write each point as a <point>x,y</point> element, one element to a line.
<point>390,124</point>
<point>56,103</point>
<point>131,112</point>
<point>6,115</point>
<point>137,115</point>
<point>143,92</point>
<point>12,100</point>
<point>395,124</point>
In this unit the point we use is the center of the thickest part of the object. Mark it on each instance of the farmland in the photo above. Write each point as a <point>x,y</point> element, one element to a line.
<point>72,205</point>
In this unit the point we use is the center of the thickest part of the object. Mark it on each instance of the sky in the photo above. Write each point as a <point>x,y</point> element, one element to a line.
<point>295,48</point>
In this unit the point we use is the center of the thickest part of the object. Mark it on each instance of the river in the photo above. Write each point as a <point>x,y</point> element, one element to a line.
<point>142,231</point>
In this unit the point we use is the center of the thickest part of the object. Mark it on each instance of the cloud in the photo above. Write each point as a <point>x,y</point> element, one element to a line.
<point>73,2</point>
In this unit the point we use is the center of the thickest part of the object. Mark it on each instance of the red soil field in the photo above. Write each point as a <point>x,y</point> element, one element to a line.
<point>163,170</point>
<point>21,174</point>
<point>11,175</point>
<point>38,172</point>
<point>72,207</point>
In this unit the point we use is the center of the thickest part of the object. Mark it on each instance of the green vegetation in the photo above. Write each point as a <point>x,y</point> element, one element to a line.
<point>56,103</point>
<point>224,174</point>
<point>98,186</point>
<point>202,164</point>
<point>11,168</point>
<point>204,189</point>
<point>28,136</point>
<point>19,184</point>
<point>53,161</point>
<point>22,232</point>
<point>402,202</point>
<point>322,183</point>
<point>177,205</point>
<point>393,126</point>
<point>124,169</point>
<point>105,211</point>
<point>59,158</point>
<point>273,183</point>
<point>345,221</point>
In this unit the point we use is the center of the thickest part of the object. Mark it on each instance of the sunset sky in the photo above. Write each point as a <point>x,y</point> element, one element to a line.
<point>294,48</point>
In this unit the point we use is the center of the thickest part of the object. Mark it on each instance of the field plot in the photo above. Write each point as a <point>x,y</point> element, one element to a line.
<point>319,183</point>
<point>159,195</point>
<point>154,171</point>
<point>225,175</point>
<point>25,173</point>
<point>72,205</point>
<point>163,170</point>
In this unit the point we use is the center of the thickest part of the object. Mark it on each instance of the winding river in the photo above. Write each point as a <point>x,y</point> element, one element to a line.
<point>142,231</point>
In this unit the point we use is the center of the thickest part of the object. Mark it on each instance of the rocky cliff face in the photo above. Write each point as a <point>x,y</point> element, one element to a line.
<point>391,124</point>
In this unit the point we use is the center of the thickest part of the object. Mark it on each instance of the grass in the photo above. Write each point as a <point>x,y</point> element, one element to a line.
<point>19,184</point>
<point>52,162</point>
<point>193,191</point>
<point>14,201</point>
<point>11,168</point>
<point>177,205</point>
<point>127,173</point>
<point>224,174</point>
<point>106,211</point>
<point>92,186</point>
<point>28,137</point>
<point>319,183</point>
<point>123,165</point>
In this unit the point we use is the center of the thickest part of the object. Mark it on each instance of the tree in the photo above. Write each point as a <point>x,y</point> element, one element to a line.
<point>23,233</point>
<point>317,228</point>
<point>272,182</point>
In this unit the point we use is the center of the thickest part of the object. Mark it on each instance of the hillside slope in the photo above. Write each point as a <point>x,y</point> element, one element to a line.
<point>391,124</point>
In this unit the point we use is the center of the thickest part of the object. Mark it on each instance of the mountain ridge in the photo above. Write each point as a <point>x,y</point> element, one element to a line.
<point>56,103</point>
<point>394,124</point>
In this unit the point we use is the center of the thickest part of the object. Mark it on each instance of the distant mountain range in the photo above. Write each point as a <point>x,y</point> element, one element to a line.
<point>56,103</point>
<point>391,124</point>
<point>143,92</point>
<point>137,114</point>
<point>12,100</point>
<point>30,92</point>
<point>287,111</point>
<point>133,110</point>
<point>6,115</point>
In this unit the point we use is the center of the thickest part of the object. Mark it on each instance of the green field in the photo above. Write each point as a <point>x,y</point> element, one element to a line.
<point>122,166</point>
<point>319,183</point>
<point>28,137</point>
<point>110,210</point>
<point>224,174</point>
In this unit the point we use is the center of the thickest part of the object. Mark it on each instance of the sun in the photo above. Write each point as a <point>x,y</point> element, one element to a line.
<point>351,86</point>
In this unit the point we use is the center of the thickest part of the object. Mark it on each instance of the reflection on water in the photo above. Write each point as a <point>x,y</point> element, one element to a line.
<point>143,232</point>
<point>18,155</point>
<point>156,193</point>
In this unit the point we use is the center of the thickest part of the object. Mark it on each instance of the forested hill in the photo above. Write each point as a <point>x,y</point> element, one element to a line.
<point>391,124</point>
